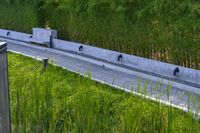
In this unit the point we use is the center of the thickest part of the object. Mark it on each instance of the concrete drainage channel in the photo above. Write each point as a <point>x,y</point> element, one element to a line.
<point>108,66</point>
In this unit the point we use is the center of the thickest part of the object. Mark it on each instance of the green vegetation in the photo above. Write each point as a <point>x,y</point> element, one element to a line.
<point>166,30</point>
<point>19,17</point>
<point>56,101</point>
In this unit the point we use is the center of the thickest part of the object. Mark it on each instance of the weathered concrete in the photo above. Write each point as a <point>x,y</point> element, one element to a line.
<point>15,35</point>
<point>40,36</point>
<point>4,91</point>
<point>160,69</point>
<point>113,75</point>
<point>152,67</point>
<point>44,36</point>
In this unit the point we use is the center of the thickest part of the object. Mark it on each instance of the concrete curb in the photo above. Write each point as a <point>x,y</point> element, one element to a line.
<point>111,66</point>
<point>185,109</point>
<point>187,76</point>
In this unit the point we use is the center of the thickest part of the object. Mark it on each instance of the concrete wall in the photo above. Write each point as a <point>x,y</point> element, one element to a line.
<point>44,34</point>
<point>15,35</point>
<point>146,65</point>
<point>134,62</point>
<point>40,35</point>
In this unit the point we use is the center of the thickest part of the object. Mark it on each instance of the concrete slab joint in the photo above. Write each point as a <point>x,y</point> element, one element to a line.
<point>39,35</point>
<point>44,36</point>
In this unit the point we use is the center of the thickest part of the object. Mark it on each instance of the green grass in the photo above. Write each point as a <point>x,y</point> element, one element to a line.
<point>20,17</point>
<point>165,30</point>
<point>56,101</point>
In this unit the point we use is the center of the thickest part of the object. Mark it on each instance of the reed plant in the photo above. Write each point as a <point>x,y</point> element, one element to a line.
<point>58,101</point>
<point>165,30</point>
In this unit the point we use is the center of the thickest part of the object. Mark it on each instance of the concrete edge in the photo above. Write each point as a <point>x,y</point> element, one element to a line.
<point>113,67</point>
<point>148,66</point>
<point>185,109</point>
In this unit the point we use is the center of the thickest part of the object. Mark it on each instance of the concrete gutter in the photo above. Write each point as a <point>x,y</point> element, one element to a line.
<point>101,63</point>
<point>105,72</point>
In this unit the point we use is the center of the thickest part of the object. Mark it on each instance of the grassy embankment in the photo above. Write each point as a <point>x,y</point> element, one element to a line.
<point>58,101</point>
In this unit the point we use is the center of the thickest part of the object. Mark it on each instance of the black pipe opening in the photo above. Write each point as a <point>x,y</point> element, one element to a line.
<point>8,33</point>
<point>176,71</point>
<point>120,57</point>
<point>81,48</point>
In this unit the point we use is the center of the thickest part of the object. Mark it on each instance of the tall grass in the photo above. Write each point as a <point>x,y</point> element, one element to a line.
<point>55,100</point>
<point>18,16</point>
<point>164,30</point>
